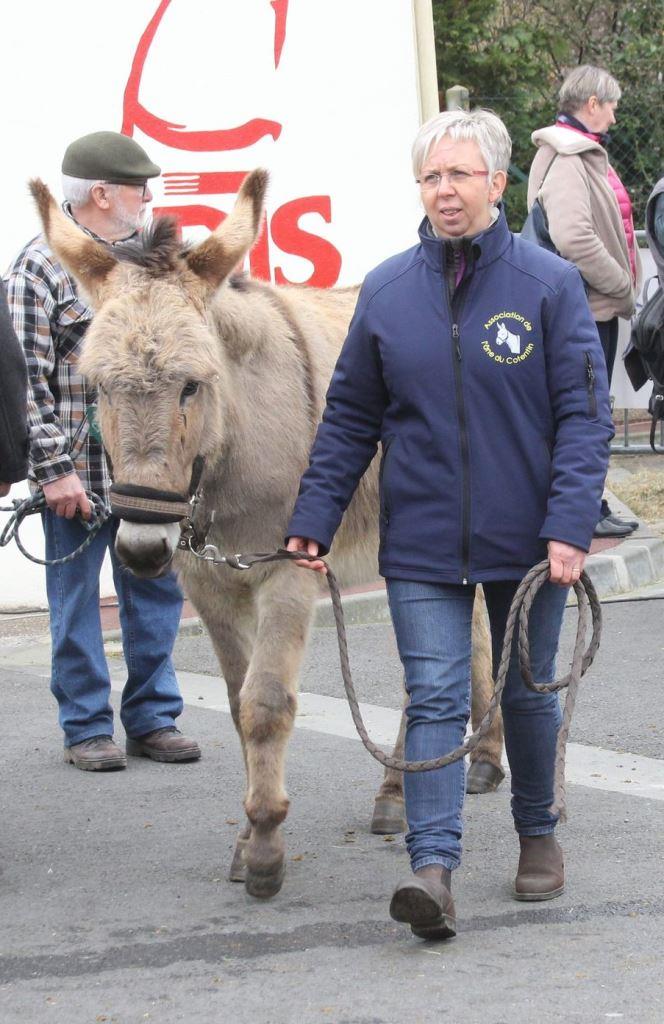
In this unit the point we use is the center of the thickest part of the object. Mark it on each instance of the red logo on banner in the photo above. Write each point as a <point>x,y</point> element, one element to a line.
<point>284,228</point>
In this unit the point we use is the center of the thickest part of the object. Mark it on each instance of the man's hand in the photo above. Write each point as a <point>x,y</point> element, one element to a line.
<point>566,563</point>
<point>311,547</point>
<point>65,495</point>
<point>4,489</point>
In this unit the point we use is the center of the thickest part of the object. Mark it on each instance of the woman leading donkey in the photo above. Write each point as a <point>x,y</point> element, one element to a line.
<point>489,464</point>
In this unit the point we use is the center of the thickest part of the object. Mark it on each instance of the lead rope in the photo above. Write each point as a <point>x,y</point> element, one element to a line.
<point>37,503</point>
<point>521,604</point>
<point>587,602</point>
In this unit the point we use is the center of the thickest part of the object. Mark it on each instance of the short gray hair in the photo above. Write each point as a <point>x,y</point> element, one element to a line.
<point>584,82</point>
<point>480,126</point>
<point>77,190</point>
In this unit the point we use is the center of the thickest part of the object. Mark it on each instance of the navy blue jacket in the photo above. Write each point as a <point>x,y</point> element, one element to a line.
<point>492,410</point>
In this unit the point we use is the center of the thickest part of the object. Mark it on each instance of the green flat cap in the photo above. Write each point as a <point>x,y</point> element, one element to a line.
<point>108,156</point>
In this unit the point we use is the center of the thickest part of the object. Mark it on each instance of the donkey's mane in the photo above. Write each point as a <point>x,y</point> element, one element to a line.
<point>158,249</point>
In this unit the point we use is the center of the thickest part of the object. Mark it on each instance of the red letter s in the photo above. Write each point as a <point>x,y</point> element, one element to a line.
<point>290,238</point>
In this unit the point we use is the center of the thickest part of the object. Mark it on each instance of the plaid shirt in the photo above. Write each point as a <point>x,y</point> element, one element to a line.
<point>50,321</point>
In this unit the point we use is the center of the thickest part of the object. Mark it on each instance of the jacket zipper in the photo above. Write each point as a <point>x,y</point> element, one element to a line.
<point>590,374</point>
<point>384,507</point>
<point>456,309</point>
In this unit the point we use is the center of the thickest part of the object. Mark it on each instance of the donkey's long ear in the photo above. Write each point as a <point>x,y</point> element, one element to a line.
<point>215,258</point>
<point>88,260</point>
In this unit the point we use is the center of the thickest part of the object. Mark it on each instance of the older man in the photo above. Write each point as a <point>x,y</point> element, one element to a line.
<point>106,188</point>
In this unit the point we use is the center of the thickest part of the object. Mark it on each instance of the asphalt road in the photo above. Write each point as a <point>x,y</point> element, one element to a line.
<point>114,905</point>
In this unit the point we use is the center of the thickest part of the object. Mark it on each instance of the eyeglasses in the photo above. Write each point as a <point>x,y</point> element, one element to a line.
<point>142,186</point>
<point>455,178</point>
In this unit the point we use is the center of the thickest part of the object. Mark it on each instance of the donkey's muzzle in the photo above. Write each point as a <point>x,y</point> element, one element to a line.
<point>147,504</point>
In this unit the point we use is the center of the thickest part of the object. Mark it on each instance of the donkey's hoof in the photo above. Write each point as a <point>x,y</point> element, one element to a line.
<point>265,857</point>
<point>265,882</point>
<point>388,817</point>
<point>483,777</point>
<point>238,871</point>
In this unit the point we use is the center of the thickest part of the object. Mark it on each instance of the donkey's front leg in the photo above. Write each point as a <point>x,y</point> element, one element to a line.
<point>485,772</point>
<point>231,625</point>
<point>389,816</point>
<point>284,603</point>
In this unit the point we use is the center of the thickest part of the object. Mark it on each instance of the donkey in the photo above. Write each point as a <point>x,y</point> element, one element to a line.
<point>192,362</point>
<point>505,337</point>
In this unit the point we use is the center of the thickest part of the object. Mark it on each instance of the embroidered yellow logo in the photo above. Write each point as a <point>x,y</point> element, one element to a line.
<point>507,345</point>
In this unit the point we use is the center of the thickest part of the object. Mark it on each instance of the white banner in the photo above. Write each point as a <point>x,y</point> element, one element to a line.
<point>324,93</point>
<point>327,94</point>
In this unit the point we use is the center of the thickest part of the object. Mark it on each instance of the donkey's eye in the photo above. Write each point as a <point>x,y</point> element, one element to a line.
<point>190,388</point>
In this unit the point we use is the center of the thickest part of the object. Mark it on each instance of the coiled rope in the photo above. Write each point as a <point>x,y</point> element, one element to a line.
<point>37,503</point>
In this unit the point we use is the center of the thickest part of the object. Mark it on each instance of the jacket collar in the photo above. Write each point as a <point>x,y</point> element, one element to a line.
<point>569,121</point>
<point>479,249</point>
<point>568,142</point>
<point>66,209</point>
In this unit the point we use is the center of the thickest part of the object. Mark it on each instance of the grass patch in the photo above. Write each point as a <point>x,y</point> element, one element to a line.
<point>644,493</point>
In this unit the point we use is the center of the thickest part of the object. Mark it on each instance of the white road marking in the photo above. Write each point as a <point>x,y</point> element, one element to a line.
<point>593,767</point>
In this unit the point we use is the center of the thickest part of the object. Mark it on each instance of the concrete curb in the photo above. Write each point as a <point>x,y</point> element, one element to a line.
<point>635,563</point>
<point>632,564</point>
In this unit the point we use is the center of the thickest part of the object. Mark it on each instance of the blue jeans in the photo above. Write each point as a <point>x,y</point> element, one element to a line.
<point>149,617</point>
<point>432,623</point>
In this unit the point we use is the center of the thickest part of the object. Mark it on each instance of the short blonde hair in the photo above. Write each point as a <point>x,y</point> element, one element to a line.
<point>480,126</point>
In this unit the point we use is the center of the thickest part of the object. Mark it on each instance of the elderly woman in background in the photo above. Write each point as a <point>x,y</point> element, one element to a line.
<point>590,214</point>
<point>474,360</point>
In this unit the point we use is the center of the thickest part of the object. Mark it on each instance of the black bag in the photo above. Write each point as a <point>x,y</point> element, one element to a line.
<point>656,410</point>
<point>536,228</point>
<point>536,225</point>
<point>644,358</point>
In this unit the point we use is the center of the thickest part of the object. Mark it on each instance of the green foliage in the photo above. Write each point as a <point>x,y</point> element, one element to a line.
<point>512,56</point>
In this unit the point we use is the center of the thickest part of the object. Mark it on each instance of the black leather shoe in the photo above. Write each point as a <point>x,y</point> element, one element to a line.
<point>608,527</point>
<point>632,523</point>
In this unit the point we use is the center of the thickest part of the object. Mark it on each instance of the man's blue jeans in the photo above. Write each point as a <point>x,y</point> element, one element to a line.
<point>149,617</point>
<point>432,623</point>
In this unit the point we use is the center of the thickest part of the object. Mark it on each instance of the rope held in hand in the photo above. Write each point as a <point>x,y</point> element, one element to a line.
<point>37,503</point>
<point>588,607</point>
<point>588,604</point>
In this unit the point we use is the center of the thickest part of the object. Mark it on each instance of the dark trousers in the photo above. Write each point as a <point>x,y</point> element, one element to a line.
<point>608,336</point>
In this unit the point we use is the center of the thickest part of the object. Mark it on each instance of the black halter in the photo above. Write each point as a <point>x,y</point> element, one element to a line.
<point>139,504</point>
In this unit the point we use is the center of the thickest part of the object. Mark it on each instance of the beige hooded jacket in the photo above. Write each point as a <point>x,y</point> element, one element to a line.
<point>585,223</point>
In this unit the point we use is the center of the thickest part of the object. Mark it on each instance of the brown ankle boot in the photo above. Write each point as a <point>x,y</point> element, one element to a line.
<point>541,872</point>
<point>96,754</point>
<point>166,744</point>
<point>424,901</point>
